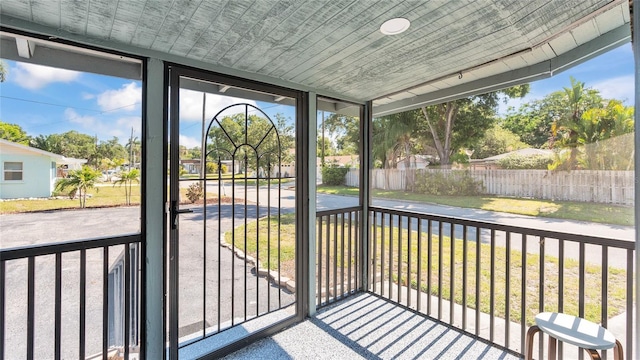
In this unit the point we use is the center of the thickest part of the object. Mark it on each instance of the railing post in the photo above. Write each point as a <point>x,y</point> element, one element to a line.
<point>154,197</point>
<point>312,178</point>
<point>365,192</point>
<point>636,52</point>
<point>2,301</point>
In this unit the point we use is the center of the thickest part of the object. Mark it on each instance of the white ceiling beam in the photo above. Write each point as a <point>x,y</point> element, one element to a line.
<point>481,86</point>
<point>75,61</point>
<point>211,88</point>
<point>544,69</point>
<point>342,105</point>
<point>26,48</point>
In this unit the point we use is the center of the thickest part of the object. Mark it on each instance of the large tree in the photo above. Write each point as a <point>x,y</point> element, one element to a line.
<point>575,121</point>
<point>346,131</point>
<point>462,123</point>
<point>110,149</point>
<point>532,120</point>
<point>14,133</point>
<point>70,144</point>
<point>497,141</point>
<point>394,140</point>
<point>256,143</point>
<point>82,146</point>
<point>324,147</point>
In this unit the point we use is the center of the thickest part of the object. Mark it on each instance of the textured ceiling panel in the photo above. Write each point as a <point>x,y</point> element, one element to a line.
<point>335,46</point>
<point>563,43</point>
<point>73,17</point>
<point>585,32</point>
<point>610,19</point>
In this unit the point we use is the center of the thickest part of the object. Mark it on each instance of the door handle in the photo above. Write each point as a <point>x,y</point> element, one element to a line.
<point>175,212</point>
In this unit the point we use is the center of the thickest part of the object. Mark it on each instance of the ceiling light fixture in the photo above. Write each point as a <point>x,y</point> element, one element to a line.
<point>395,26</point>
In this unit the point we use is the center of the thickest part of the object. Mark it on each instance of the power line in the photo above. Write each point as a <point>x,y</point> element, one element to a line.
<point>46,103</point>
<point>67,106</point>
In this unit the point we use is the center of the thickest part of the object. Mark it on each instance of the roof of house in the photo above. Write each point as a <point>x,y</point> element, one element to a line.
<point>6,145</point>
<point>342,159</point>
<point>522,152</point>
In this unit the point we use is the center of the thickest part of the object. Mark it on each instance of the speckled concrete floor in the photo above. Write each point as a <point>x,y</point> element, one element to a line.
<point>366,326</point>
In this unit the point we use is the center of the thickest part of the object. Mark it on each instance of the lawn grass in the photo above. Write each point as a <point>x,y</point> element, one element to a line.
<point>102,196</point>
<point>593,274</point>
<point>598,213</point>
<point>267,231</point>
<point>502,274</point>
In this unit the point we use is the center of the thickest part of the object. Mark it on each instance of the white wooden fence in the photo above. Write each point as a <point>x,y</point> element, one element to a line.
<point>608,187</point>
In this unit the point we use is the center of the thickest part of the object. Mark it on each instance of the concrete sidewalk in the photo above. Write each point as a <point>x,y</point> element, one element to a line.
<point>617,324</point>
<point>366,326</point>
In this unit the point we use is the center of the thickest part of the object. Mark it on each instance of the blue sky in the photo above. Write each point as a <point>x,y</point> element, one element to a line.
<point>45,101</point>
<point>610,73</point>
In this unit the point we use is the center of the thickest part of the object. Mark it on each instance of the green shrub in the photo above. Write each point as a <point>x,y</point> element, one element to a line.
<point>194,192</point>
<point>212,168</point>
<point>517,162</point>
<point>441,183</point>
<point>334,175</point>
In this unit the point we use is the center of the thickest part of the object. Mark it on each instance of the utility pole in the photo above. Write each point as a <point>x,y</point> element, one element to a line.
<point>131,149</point>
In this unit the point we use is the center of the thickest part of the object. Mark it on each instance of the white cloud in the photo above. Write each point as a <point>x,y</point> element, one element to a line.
<point>124,99</point>
<point>106,127</point>
<point>84,120</point>
<point>33,77</point>
<point>122,127</point>
<point>189,142</point>
<point>191,105</point>
<point>87,96</point>
<point>621,88</point>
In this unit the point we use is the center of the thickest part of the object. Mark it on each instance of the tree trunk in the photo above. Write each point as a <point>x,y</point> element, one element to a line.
<point>449,112</point>
<point>407,166</point>
<point>82,197</point>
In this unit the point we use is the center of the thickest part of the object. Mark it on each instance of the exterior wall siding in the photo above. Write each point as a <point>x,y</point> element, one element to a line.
<point>37,177</point>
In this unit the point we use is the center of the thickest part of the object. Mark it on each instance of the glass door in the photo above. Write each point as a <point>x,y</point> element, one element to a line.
<point>233,222</point>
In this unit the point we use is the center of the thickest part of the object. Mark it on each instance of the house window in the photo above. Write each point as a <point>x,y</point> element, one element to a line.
<point>12,171</point>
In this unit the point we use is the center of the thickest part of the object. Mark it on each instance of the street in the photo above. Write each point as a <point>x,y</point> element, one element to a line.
<point>201,284</point>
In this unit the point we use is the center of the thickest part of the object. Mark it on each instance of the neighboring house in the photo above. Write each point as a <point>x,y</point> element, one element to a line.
<point>351,161</point>
<point>417,162</point>
<point>491,163</point>
<point>29,172</point>
<point>192,166</point>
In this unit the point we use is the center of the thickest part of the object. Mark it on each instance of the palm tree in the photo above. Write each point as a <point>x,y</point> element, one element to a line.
<point>133,147</point>
<point>79,181</point>
<point>394,137</point>
<point>127,178</point>
<point>570,129</point>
